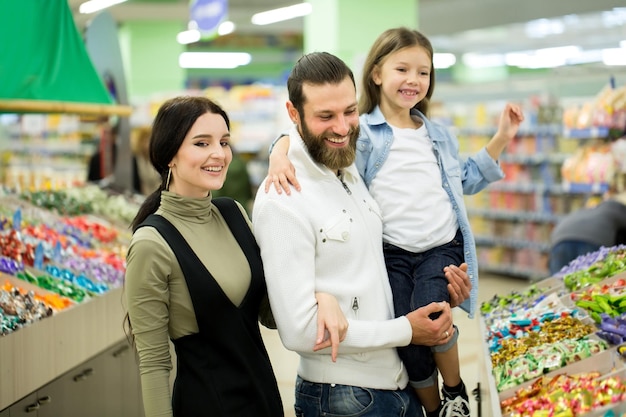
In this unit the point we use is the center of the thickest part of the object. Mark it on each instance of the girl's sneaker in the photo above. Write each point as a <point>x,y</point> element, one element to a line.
<point>454,406</point>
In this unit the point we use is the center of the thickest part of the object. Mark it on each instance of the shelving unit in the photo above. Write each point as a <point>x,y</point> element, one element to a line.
<point>512,219</point>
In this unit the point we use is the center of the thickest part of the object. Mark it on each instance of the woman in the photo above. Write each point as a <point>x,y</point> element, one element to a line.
<point>194,275</point>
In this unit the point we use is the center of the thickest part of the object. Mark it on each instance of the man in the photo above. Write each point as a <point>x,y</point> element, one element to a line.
<point>587,230</point>
<point>327,239</point>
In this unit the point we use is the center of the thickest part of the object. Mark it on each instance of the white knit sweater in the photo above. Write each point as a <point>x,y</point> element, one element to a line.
<point>328,238</point>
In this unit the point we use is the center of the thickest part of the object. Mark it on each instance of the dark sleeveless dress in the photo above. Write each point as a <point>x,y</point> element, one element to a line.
<point>223,370</point>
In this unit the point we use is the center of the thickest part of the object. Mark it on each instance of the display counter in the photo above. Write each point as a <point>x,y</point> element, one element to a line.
<point>608,363</point>
<point>35,355</point>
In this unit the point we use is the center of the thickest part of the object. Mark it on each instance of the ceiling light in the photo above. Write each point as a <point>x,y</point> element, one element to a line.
<point>443,60</point>
<point>613,56</point>
<point>474,60</point>
<point>194,35</point>
<point>541,28</point>
<point>188,36</point>
<point>213,59</point>
<point>225,28</point>
<point>284,13</point>
<point>93,6</point>
<point>543,58</point>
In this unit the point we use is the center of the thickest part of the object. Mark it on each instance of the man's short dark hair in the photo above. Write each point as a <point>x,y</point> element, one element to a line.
<point>316,68</point>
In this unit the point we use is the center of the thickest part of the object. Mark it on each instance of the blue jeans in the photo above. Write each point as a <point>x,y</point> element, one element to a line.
<point>417,279</point>
<point>335,400</point>
<point>566,251</point>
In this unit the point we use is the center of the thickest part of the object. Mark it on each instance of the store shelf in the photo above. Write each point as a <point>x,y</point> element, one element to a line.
<point>513,270</point>
<point>512,243</point>
<point>515,215</point>
<point>609,363</point>
<point>42,351</point>
<point>588,133</point>
<point>513,218</point>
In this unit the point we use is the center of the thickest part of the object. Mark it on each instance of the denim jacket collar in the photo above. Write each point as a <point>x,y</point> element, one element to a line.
<point>376,118</point>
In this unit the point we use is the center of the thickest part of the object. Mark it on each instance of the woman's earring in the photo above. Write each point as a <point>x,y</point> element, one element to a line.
<point>169,175</point>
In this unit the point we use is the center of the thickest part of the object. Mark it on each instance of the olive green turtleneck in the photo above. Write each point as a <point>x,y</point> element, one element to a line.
<point>157,297</point>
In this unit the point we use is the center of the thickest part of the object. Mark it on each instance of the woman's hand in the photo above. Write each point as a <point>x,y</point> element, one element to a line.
<point>332,325</point>
<point>281,171</point>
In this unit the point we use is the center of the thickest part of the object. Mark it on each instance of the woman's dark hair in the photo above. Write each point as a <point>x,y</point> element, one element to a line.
<point>171,124</point>
<point>316,68</point>
<point>388,42</point>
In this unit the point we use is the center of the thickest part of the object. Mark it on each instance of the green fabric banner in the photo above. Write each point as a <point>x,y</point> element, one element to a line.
<point>43,57</point>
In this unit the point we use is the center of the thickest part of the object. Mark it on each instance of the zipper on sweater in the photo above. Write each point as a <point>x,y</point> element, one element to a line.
<point>345,186</point>
<point>355,306</point>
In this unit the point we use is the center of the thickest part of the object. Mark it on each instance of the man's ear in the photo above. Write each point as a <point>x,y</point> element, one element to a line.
<point>293,113</point>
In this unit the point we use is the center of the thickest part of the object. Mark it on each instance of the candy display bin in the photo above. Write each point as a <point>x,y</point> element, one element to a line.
<point>618,409</point>
<point>44,350</point>
<point>486,392</point>
<point>609,363</point>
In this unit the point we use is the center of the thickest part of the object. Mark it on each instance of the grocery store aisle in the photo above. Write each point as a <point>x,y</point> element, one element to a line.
<point>286,363</point>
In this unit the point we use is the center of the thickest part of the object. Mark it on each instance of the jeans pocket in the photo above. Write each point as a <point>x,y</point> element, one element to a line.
<point>345,400</point>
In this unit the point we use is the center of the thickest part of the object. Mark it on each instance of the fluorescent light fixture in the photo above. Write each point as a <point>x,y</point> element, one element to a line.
<point>586,57</point>
<point>613,56</point>
<point>194,35</point>
<point>93,6</point>
<point>541,28</point>
<point>188,36</point>
<point>225,28</point>
<point>213,59</point>
<point>543,58</point>
<point>622,44</point>
<point>474,60</point>
<point>443,60</point>
<point>284,13</point>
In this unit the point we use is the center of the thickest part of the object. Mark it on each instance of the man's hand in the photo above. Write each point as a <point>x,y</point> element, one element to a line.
<point>459,284</point>
<point>430,332</point>
<point>332,325</point>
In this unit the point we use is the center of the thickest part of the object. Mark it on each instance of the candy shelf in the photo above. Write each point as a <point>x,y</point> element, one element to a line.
<point>48,357</point>
<point>42,351</point>
<point>609,363</point>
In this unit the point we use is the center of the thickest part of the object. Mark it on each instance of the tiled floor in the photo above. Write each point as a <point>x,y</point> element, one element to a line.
<point>286,363</point>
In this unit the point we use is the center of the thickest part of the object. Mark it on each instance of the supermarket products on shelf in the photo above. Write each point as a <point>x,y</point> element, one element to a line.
<point>513,218</point>
<point>560,162</point>
<point>561,326</point>
<point>607,108</point>
<point>593,267</point>
<point>76,258</point>
<point>569,395</point>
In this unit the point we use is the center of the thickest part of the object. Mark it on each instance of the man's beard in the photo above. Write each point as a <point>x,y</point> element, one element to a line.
<point>333,158</point>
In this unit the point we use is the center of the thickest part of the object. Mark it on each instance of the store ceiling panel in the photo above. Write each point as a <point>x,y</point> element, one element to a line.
<point>480,26</point>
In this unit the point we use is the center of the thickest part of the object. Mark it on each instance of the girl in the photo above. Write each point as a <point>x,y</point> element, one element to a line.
<point>413,170</point>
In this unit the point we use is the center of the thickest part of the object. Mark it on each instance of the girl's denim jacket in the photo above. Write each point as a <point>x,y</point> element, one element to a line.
<point>458,177</point>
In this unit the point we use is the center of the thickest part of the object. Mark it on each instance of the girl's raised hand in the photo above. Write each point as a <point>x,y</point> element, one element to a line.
<point>510,120</point>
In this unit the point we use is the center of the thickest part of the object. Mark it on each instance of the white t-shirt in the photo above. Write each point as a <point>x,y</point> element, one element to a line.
<point>417,212</point>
